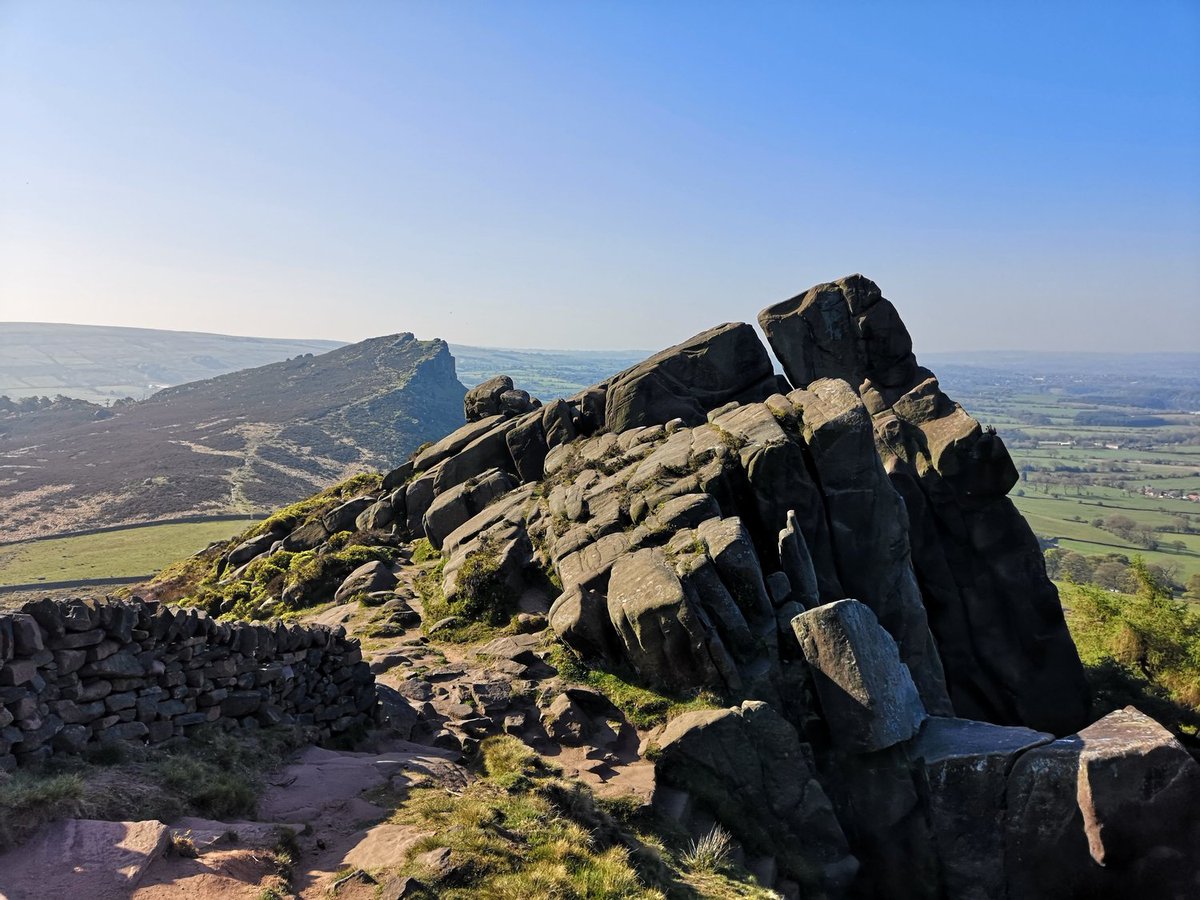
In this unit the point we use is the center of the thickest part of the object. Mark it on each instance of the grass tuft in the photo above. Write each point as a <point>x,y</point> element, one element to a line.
<point>711,852</point>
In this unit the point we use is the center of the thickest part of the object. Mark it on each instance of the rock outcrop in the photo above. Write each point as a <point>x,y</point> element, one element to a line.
<point>995,614</point>
<point>832,568</point>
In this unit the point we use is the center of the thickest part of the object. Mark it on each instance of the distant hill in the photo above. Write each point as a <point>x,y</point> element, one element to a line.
<point>99,363</point>
<point>102,364</point>
<point>243,442</point>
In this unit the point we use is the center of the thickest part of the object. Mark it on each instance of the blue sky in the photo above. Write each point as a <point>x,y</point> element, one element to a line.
<point>605,174</point>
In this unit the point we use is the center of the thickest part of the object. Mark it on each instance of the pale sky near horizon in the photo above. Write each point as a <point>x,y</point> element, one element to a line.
<point>602,174</point>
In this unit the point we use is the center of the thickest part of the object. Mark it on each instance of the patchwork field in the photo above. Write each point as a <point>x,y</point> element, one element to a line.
<point>1108,449</point>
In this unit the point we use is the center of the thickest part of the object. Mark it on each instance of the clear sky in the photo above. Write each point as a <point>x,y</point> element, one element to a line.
<point>602,174</point>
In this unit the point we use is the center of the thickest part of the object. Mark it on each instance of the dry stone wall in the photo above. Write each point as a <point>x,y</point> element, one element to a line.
<point>83,671</point>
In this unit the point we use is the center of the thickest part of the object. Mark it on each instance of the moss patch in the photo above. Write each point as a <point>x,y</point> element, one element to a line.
<point>642,706</point>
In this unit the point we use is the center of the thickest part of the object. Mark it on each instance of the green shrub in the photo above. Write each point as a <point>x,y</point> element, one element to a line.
<point>318,504</point>
<point>423,551</point>
<point>1142,648</point>
<point>482,594</point>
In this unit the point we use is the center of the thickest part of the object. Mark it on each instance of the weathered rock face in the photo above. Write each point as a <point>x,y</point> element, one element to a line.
<point>748,766</point>
<point>962,767</point>
<point>684,382</point>
<point>867,695</point>
<point>1109,812</point>
<point>996,617</point>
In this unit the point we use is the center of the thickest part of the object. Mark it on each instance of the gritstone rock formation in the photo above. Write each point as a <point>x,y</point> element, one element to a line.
<point>995,614</point>
<point>833,555</point>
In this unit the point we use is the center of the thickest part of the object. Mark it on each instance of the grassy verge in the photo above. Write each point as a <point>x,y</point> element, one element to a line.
<point>212,774</point>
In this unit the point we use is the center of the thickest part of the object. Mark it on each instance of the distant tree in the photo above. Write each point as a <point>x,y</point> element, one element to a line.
<point>1076,567</point>
<point>1122,526</point>
<point>1112,575</point>
<point>1193,587</point>
<point>1054,562</point>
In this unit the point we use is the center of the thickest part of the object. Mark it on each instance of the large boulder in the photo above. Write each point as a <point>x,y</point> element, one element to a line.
<point>962,769</point>
<point>686,381</point>
<point>527,446</point>
<point>558,423</point>
<point>370,576</point>
<point>484,400</point>
<point>1110,812</point>
<point>255,546</point>
<point>867,694</point>
<point>844,329</point>
<point>454,442</point>
<point>580,618</point>
<point>454,507</point>
<point>749,769</point>
<point>660,630</point>
<point>342,518</point>
<point>488,451</point>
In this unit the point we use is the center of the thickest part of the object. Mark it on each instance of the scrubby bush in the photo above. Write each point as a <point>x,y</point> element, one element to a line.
<point>1142,647</point>
<point>482,594</point>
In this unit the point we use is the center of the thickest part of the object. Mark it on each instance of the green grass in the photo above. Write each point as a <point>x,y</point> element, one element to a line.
<point>1052,517</point>
<point>642,706</point>
<point>123,553</point>
<point>520,831</point>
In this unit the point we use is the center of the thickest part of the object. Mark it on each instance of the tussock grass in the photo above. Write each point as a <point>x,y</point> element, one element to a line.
<point>519,832</point>
<point>709,853</point>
